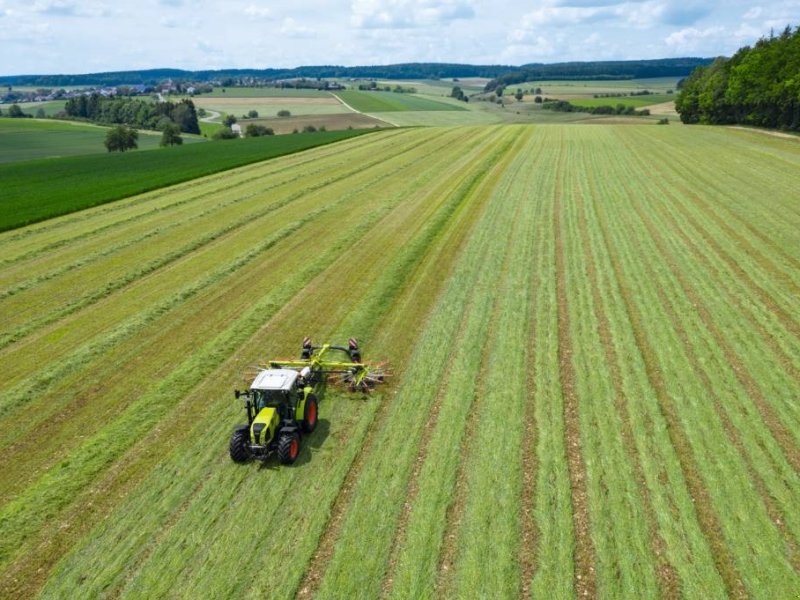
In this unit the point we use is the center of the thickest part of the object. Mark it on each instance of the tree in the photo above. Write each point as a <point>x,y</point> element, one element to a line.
<point>519,95</point>
<point>309,129</point>
<point>225,133</point>
<point>171,135</point>
<point>253,114</point>
<point>229,120</point>
<point>40,113</point>
<point>254,130</point>
<point>284,113</point>
<point>121,138</point>
<point>538,99</point>
<point>15,112</point>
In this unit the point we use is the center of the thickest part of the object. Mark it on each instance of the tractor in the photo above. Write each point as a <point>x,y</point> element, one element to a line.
<point>282,403</point>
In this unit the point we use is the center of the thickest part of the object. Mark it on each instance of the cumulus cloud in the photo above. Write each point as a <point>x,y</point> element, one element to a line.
<point>688,40</point>
<point>753,13</point>
<point>401,14</point>
<point>65,8</point>
<point>260,12</point>
<point>641,13</point>
<point>58,8</point>
<point>291,28</point>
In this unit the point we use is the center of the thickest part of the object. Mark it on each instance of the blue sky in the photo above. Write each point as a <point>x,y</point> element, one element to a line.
<point>72,36</point>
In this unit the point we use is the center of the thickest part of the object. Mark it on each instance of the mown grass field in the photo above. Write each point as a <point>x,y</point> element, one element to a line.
<point>596,358</point>
<point>377,102</point>
<point>36,190</point>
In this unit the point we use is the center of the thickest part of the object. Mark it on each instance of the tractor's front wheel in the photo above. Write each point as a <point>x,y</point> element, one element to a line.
<point>288,447</point>
<point>240,446</point>
<point>311,412</point>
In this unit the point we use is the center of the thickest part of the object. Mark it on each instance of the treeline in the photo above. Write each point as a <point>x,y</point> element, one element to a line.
<point>135,112</point>
<point>756,86</point>
<point>606,109</point>
<point>154,76</point>
<point>501,75</point>
<point>599,71</point>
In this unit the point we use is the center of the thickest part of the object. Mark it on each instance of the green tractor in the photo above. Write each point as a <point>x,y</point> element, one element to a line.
<point>282,403</point>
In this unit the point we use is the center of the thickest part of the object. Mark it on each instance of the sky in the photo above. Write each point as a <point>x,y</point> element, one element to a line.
<point>75,36</point>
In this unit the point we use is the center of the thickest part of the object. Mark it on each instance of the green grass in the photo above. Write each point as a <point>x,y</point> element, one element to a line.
<point>594,355</point>
<point>376,102</point>
<point>42,189</point>
<point>635,101</point>
<point>27,139</point>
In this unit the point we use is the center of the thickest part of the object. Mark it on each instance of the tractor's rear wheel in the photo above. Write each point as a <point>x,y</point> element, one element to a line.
<point>240,446</point>
<point>311,413</point>
<point>288,447</point>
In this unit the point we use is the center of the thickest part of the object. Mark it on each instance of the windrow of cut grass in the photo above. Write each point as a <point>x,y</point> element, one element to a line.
<point>594,355</point>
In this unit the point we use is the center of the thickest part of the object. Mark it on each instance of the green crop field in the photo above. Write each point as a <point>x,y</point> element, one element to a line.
<point>40,189</point>
<point>26,139</point>
<point>595,356</point>
<point>635,101</point>
<point>377,102</point>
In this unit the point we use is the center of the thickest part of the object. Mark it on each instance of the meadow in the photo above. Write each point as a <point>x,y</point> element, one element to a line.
<point>27,139</point>
<point>596,362</point>
<point>378,102</point>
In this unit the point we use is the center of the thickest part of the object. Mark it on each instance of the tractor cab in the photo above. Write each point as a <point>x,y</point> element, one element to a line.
<point>275,388</point>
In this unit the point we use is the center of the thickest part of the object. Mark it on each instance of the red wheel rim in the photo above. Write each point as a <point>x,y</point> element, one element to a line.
<point>312,414</point>
<point>294,448</point>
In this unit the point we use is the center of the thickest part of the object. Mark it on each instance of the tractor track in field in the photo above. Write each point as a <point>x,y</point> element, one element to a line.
<point>324,552</point>
<point>707,518</point>
<point>585,577</point>
<point>669,583</point>
<point>529,459</point>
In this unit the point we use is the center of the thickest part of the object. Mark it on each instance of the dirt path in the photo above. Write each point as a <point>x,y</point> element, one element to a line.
<point>362,113</point>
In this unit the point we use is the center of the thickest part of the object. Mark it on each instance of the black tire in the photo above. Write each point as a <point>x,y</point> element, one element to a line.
<point>288,447</point>
<point>311,414</point>
<point>240,446</point>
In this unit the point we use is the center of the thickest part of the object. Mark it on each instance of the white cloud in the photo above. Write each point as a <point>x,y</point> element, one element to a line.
<point>401,14</point>
<point>290,28</point>
<point>261,12</point>
<point>687,41</point>
<point>56,7</point>
<point>753,13</point>
<point>64,8</point>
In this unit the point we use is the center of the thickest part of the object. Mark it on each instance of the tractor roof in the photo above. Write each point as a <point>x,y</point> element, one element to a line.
<point>275,379</point>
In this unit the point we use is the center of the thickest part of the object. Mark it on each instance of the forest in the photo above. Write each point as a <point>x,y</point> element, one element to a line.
<point>135,112</point>
<point>758,85</point>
